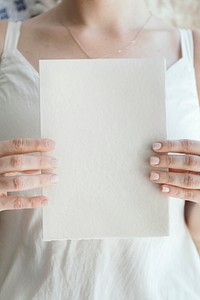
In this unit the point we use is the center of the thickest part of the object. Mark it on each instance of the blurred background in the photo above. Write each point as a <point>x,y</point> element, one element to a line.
<point>181,13</point>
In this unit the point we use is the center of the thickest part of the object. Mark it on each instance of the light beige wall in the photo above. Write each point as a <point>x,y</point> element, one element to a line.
<point>181,13</point>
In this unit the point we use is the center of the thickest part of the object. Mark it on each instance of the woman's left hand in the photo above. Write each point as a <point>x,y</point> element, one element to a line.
<point>183,178</point>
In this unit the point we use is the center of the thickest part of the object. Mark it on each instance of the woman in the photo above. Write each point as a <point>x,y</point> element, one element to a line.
<point>146,268</point>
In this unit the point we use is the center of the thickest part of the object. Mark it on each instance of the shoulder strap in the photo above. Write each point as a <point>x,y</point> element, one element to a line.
<point>187,45</point>
<point>12,35</point>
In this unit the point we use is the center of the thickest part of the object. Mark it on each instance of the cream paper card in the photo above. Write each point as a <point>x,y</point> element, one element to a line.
<point>104,114</point>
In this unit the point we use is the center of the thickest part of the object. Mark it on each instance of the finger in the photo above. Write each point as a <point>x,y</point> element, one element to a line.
<point>19,163</point>
<point>3,194</point>
<point>182,193</point>
<point>184,180</point>
<point>21,183</point>
<point>30,172</point>
<point>178,146</point>
<point>19,202</point>
<point>25,145</point>
<point>9,174</point>
<point>184,162</point>
<point>183,171</point>
<point>22,172</point>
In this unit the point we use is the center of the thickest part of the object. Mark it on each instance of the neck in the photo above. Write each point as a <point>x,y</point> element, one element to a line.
<point>100,14</point>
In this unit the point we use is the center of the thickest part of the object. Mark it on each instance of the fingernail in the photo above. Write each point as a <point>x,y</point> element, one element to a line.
<point>154,176</point>
<point>54,162</point>
<point>54,178</point>
<point>165,189</point>
<point>154,160</point>
<point>157,146</point>
<point>44,202</point>
<point>51,143</point>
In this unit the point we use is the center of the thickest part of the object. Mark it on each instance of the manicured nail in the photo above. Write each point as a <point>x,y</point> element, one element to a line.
<point>157,146</point>
<point>54,162</point>
<point>54,178</point>
<point>51,144</point>
<point>154,160</point>
<point>154,176</point>
<point>44,202</point>
<point>165,189</point>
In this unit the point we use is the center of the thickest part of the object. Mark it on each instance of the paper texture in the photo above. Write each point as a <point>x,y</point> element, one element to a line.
<point>104,114</point>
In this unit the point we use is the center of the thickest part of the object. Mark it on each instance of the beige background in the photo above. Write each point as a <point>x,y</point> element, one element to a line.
<point>181,13</point>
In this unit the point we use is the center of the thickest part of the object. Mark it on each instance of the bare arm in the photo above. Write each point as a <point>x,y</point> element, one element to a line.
<point>192,210</point>
<point>196,36</point>
<point>3,27</point>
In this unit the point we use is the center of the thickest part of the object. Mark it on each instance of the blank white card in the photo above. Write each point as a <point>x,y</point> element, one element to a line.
<point>104,115</point>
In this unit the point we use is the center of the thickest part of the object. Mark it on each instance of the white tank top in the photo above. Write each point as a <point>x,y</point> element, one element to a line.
<point>164,268</point>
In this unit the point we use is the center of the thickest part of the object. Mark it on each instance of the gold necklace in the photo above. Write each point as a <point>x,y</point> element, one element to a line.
<point>118,50</point>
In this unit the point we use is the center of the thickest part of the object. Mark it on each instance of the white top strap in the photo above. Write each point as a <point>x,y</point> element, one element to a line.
<point>187,45</point>
<point>12,35</point>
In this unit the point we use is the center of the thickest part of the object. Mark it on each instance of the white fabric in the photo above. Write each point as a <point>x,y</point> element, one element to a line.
<point>165,268</point>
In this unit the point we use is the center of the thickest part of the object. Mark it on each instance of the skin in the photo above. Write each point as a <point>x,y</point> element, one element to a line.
<point>101,26</point>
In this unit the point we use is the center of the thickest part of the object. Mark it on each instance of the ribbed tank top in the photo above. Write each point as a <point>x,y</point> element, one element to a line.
<point>164,268</point>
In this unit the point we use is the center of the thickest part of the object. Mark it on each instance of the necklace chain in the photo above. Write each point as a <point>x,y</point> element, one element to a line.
<point>118,50</point>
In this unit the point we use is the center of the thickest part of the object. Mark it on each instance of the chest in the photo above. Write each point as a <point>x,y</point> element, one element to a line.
<point>59,44</point>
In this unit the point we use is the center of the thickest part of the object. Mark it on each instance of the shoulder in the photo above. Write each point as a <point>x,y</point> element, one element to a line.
<point>3,28</point>
<point>196,38</point>
<point>32,26</point>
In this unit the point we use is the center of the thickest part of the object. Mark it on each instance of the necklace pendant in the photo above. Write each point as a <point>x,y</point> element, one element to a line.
<point>119,50</point>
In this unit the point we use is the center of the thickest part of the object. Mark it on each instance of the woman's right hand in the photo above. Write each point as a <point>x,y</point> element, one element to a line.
<point>13,159</point>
